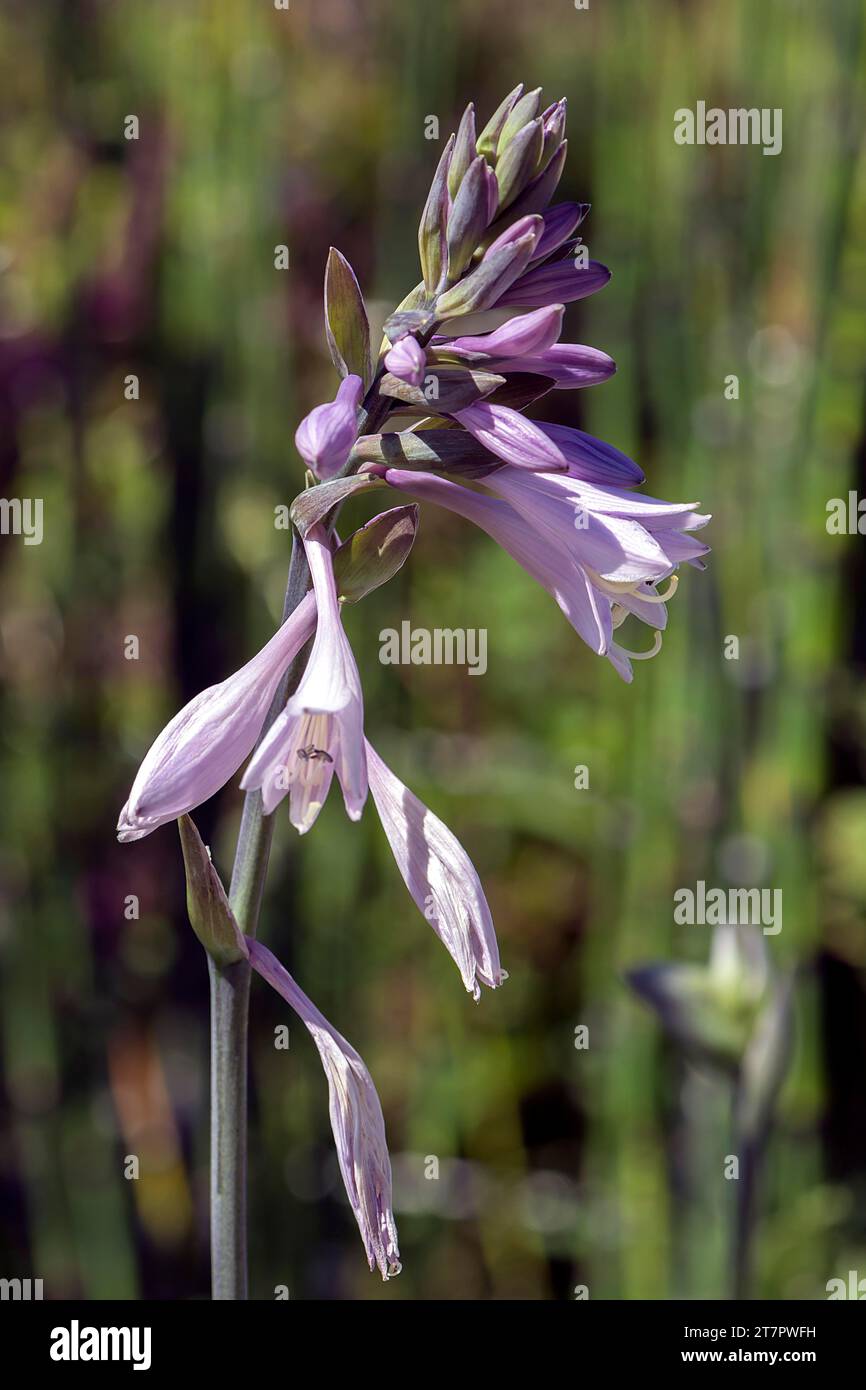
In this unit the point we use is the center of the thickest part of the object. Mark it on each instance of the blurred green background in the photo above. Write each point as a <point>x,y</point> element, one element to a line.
<point>559,1167</point>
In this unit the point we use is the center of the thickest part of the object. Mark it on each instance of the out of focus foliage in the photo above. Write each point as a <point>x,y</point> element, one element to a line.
<point>558,1165</point>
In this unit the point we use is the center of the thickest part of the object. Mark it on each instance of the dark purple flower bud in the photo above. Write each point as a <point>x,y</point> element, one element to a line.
<point>517,166</point>
<point>568,365</point>
<point>488,140</point>
<point>554,128</point>
<point>464,150</point>
<point>469,216</point>
<point>431,232</point>
<point>555,282</point>
<point>560,223</point>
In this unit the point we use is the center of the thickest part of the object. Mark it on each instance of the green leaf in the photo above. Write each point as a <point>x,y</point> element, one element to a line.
<point>443,450</point>
<point>346,324</point>
<point>207,906</point>
<point>314,504</point>
<point>445,388</point>
<point>375,552</point>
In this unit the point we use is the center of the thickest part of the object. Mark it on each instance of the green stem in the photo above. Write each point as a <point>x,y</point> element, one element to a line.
<point>229,1010</point>
<point>230,986</point>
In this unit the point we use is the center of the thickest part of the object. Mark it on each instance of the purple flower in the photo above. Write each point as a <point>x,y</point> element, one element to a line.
<point>407,360</point>
<point>356,1118</point>
<point>560,223</point>
<point>528,343</point>
<point>548,563</point>
<point>440,876</point>
<point>206,742</point>
<point>321,730</point>
<point>599,552</point>
<point>525,335</point>
<point>324,438</point>
<point>554,282</point>
<point>539,447</point>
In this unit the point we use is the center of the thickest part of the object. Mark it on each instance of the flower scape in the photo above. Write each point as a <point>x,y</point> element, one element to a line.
<point>562,503</point>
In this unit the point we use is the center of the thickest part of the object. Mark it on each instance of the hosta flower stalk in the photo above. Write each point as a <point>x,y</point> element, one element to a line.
<point>562,503</point>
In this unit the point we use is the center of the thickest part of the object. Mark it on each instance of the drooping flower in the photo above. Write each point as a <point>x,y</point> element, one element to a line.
<point>206,742</point>
<point>440,877</point>
<point>548,563</point>
<point>583,544</point>
<point>321,730</point>
<point>324,438</point>
<point>356,1118</point>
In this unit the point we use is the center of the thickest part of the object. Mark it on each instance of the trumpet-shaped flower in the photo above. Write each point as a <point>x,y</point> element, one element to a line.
<point>321,730</point>
<point>440,876</point>
<point>206,742</point>
<point>356,1118</point>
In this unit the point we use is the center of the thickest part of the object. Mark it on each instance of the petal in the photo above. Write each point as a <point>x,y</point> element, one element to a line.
<point>206,742</point>
<point>356,1118</point>
<point>440,876</point>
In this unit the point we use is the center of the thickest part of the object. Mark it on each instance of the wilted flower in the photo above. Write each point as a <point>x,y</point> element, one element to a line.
<point>356,1118</point>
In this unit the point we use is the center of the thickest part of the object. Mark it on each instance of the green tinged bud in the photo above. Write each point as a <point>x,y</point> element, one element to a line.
<point>447,388</point>
<point>468,218</point>
<point>375,552</point>
<point>464,150</point>
<point>488,140</point>
<point>518,165</point>
<point>484,285</point>
<point>346,325</point>
<point>207,906</point>
<point>534,198</point>
<point>524,111</point>
<point>431,232</point>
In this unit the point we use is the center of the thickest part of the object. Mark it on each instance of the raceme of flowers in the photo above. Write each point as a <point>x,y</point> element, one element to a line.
<point>561,502</point>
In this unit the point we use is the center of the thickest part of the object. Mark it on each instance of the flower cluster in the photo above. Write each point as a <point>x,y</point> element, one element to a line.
<point>561,502</point>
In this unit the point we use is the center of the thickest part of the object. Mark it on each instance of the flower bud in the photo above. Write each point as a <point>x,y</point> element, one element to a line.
<point>488,140</point>
<point>407,360</point>
<point>324,438</point>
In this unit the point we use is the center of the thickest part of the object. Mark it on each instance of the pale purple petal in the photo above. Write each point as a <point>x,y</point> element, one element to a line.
<point>440,876</point>
<point>321,730</point>
<point>511,436</point>
<point>206,742</point>
<point>588,611</point>
<point>407,360</point>
<point>522,336</point>
<point>356,1118</point>
<point>324,438</point>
